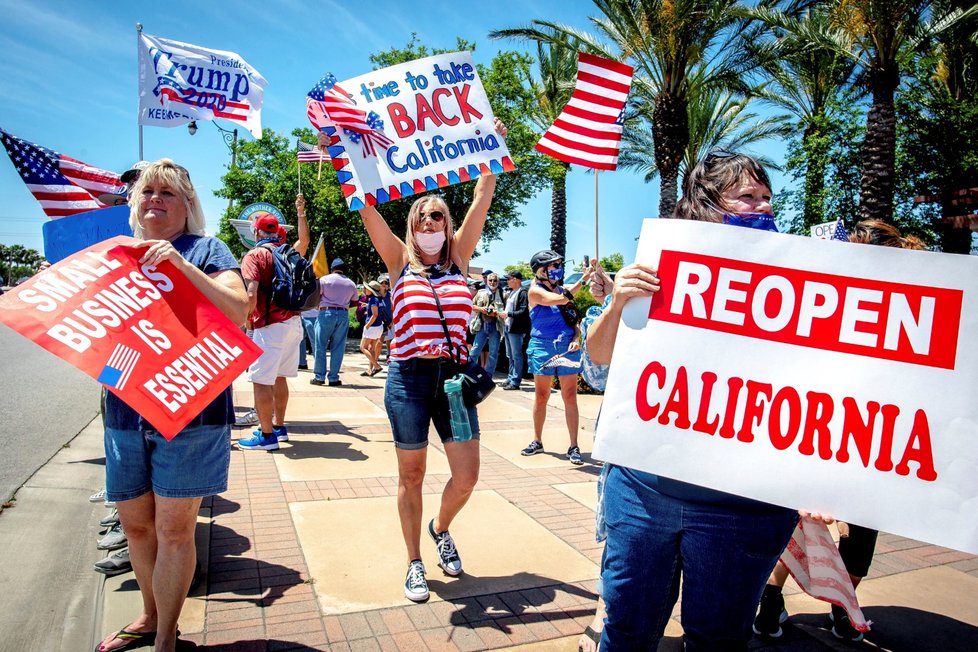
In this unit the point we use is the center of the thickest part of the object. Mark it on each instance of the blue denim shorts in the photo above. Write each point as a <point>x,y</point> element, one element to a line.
<point>414,397</point>
<point>192,464</point>
<point>540,350</point>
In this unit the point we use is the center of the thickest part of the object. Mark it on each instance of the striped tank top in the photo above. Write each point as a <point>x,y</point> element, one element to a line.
<point>417,327</point>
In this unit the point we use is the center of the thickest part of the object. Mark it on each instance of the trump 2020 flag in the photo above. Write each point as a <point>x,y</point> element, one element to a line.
<point>62,185</point>
<point>588,131</point>
<point>180,82</point>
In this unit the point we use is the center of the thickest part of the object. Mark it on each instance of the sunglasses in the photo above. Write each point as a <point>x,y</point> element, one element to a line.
<point>436,216</point>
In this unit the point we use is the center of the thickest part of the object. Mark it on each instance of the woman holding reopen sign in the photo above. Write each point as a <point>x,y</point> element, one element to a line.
<point>660,530</point>
<point>159,484</point>
<point>429,271</point>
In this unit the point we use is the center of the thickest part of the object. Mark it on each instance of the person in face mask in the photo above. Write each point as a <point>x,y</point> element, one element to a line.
<point>663,533</point>
<point>554,331</point>
<point>430,262</point>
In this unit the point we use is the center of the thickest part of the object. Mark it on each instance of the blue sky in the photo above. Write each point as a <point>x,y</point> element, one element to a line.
<point>68,82</point>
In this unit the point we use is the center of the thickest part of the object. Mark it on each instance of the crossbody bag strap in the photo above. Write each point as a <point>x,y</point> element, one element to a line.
<point>444,325</point>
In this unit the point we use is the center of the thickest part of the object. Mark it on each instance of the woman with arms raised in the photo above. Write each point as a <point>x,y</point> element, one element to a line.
<point>430,262</point>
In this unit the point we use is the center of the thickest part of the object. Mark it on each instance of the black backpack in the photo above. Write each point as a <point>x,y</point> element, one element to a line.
<point>294,286</point>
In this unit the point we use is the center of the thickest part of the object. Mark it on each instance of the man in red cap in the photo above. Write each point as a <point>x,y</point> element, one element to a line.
<point>277,331</point>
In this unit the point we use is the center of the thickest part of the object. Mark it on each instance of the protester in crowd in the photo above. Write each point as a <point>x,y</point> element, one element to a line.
<point>337,294</point>
<point>308,344</point>
<point>373,329</point>
<point>159,484</point>
<point>857,544</point>
<point>128,180</point>
<point>658,529</point>
<point>276,330</point>
<point>553,331</point>
<point>386,314</point>
<point>488,305</point>
<point>516,325</point>
<point>430,271</point>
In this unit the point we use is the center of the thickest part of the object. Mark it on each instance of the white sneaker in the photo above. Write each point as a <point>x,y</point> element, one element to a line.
<point>249,418</point>
<point>415,585</point>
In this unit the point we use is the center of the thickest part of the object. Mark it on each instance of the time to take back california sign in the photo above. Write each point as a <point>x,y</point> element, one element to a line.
<point>144,332</point>
<point>817,375</point>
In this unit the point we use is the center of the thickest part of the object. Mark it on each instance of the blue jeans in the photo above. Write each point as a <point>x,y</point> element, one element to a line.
<point>308,332</point>
<point>514,349</point>
<point>331,329</point>
<point>414,398</point>
<point>488,334</point>
<point>723,554</point>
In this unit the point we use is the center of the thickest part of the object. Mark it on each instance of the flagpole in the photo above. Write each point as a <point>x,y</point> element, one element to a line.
<point>596,215</point>
<point>139,33</point>
<point>298,165</point>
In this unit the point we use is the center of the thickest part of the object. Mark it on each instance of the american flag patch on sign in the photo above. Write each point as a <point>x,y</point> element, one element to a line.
<point>117,370</point>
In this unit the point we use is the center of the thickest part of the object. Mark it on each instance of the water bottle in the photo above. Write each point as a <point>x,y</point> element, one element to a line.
<point>461,429</point>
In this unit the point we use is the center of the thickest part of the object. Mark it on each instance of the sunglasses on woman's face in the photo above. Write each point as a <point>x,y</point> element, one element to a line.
<point>435,216</point>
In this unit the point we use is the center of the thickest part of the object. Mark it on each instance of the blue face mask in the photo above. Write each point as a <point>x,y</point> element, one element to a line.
<point>556,275</point>
<point>759,221</point>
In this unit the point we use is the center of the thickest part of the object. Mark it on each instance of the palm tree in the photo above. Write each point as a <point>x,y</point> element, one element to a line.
<point>881,31</point>
<point>664,40</point>
<point>718,119</point>
<point>803,76</point>
<point>557,68</point>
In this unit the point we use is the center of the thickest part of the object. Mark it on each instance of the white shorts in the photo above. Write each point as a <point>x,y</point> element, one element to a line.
<point>373,333</point>
<point>280,352</point>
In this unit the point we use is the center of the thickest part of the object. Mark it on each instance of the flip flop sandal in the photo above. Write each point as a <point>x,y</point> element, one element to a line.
<point>131,639</point>
<point>593,635</point>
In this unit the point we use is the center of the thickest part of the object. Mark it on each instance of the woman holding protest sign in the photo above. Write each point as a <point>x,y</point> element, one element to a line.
<point>432,306</point>
<point>159,484</point>
<point>660,530</point>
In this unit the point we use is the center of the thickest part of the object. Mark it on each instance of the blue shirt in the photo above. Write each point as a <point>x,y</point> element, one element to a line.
<point>209,255</point>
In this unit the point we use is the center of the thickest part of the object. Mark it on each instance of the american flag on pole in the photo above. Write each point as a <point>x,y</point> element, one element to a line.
<point>62,185</point>
<point>307,153</point>
<point>588,131</point>
<point>328,105</point>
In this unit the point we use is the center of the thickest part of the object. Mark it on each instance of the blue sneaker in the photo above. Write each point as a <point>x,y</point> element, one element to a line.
<point>281,433</point>
<point>258,442</point>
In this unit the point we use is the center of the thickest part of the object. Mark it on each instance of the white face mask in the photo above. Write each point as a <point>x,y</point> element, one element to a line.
<point>430,243</point>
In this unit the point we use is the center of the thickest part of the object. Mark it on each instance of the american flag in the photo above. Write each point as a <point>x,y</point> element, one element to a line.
<point>310,153</point>
<point>840,232</point>
<point>588,131</point>
<point>813,560</point>
<point>119,367</point>
<point>328,105</point>
<point>62,185</point>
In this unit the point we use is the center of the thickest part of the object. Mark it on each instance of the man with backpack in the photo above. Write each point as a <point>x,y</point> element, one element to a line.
<point>276,280</point>
<point>337,294</point>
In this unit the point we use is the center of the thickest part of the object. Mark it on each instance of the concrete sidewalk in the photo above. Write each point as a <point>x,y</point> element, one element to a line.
<point>304,550</point>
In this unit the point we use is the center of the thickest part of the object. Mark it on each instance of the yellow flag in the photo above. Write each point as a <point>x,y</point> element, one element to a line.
<point>319,264</point>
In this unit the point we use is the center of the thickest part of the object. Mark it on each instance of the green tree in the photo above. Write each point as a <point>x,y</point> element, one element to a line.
<point>883,32</point>
<point>17,261</point>
<point>522,267</point>
<point>804,76</point>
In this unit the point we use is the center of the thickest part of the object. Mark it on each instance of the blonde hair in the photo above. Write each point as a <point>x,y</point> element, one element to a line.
<point>176,178</point>
<point>878,232</point>
<point>414,252</point>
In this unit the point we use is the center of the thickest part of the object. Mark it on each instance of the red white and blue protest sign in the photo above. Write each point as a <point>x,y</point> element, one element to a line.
<point>143,331</point>
<point>407,129</point>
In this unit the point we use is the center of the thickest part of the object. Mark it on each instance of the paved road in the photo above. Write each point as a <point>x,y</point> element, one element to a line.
<point>44,403</point>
